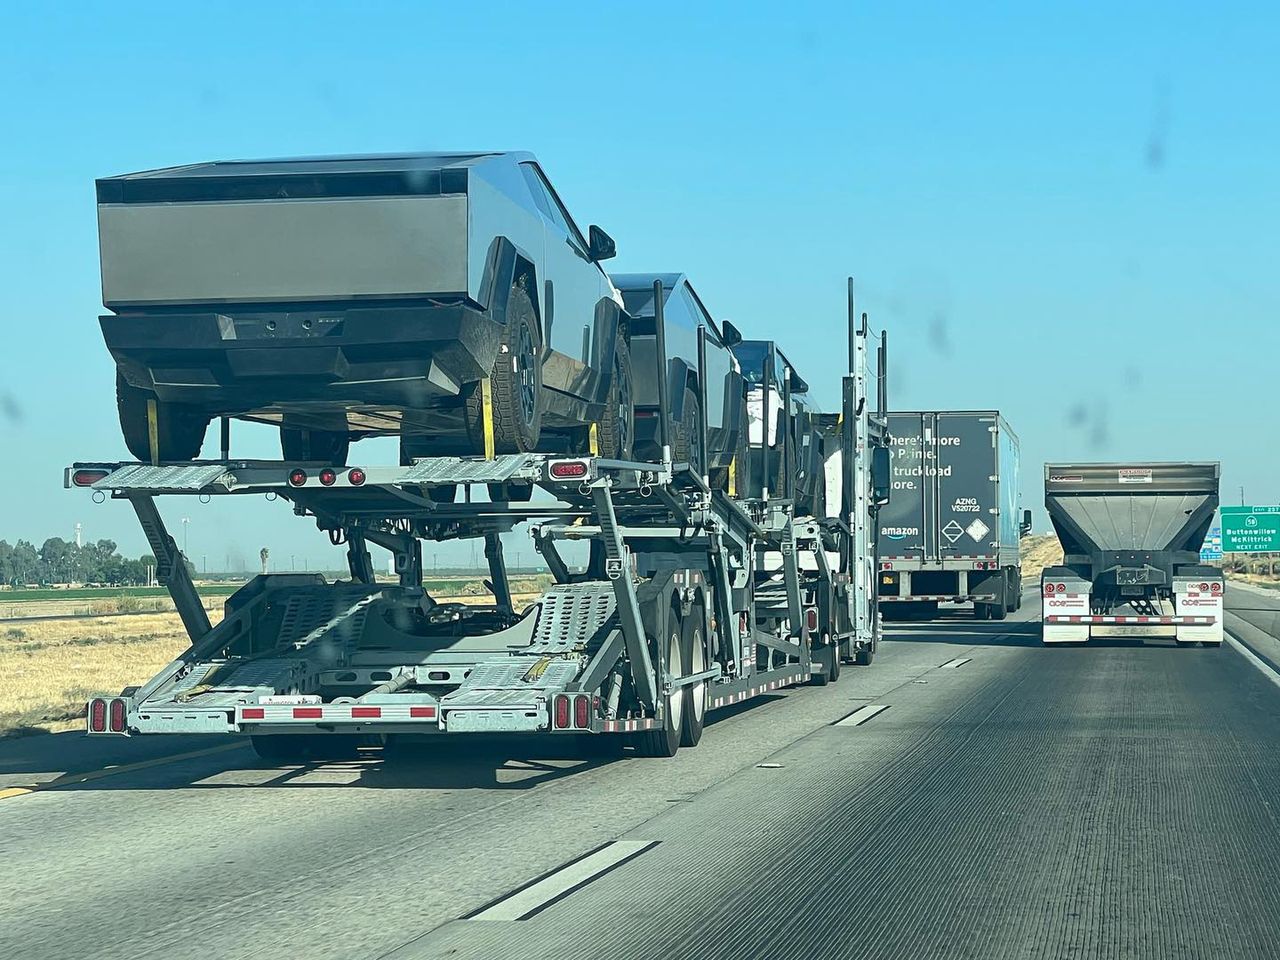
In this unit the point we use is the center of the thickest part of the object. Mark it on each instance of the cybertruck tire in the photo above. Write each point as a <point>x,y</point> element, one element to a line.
<point>179,429</point>
<point>317,446</point>
<point>616,431</point>
<point>686,447</point>
<point>516,383</point>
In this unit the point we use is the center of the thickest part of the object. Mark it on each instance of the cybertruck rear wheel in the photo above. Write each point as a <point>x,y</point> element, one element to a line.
<point>616,431</point>
<point>179,430</point>
<point>687,446</point>
<point>516,383</point>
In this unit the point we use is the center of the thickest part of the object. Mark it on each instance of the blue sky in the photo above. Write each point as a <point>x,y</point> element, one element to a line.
<point>1067,212</point>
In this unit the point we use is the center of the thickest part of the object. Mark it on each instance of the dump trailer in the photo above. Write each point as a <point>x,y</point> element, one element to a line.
<point>1131,536</point>
<point>690,600</point>
<point>951,530</point>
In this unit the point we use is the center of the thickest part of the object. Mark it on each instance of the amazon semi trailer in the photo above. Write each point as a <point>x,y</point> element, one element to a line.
<point>951,530</point>
<point>691,599</point>
<point>1131,536</point>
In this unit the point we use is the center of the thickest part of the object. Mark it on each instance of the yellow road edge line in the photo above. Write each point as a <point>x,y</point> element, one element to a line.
<point>71,779</point>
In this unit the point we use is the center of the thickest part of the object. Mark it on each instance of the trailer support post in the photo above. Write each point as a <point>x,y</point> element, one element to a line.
<point>498,581</point>
<point>618,570</point>
<point>664,391</point>
<point>358,560</point>
<point>171,568</point>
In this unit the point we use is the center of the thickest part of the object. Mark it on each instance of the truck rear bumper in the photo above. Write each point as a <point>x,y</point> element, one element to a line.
<point>1062,628</point>
<point>240,362</point>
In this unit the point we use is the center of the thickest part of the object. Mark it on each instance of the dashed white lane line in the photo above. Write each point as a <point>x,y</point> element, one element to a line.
<point>558,884</point>
<point>861,715</point>
<point>957,662</point>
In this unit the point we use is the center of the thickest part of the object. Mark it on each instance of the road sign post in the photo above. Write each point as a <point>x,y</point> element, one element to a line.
<point>1250,529</point>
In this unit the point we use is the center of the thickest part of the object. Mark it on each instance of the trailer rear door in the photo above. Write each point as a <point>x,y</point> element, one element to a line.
<point>902,521</point>
<point>967,492</point>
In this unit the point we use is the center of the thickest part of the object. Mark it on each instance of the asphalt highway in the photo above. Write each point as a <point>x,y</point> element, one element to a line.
<point>984,797</point>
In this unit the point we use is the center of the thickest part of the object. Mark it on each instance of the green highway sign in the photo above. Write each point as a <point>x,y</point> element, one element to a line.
<point>1250,529</point>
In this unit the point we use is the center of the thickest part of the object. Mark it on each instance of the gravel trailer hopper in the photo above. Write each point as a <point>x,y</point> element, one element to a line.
<point>1131,536</point>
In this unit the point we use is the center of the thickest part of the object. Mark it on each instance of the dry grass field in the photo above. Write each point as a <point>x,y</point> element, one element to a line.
<point>48,669</point>
<point>1039,551</point>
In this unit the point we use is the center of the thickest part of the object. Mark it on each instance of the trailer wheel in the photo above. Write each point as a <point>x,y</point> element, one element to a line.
<point>864,656</point>
<point>325,446</point>
<point>179,429</point>
<point>665,741</point>
<point>617,428</point>
<point>833,674</point>
<point>697,694</point>
<point>981,611</point>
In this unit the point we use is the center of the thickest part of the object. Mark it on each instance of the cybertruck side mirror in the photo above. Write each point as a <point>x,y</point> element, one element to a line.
<point>880,476</point>
<point>729,334</point>
<point>600,245</point>
<point>1025,527</point>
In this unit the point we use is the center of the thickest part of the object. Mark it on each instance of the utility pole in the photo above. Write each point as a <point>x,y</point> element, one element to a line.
<point>186,523</point>
<point>79,540</point>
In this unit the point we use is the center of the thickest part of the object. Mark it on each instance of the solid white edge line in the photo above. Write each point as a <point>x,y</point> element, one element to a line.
<point>1242,648</point>
<point>557,884</point>
<point>957,662</point>
<point>862,715</point>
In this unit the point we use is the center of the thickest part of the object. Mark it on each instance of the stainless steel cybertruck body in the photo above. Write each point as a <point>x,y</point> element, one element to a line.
<point>344,297</point>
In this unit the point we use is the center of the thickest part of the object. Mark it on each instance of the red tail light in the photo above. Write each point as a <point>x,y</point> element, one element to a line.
<point>811,619</point>
<point>562,712</point>
<point>582,711</point>
<point>297,478</point>
<point>97,716</point>
<point>1215,587</point>
<point>1048,589</point>
<point>1204,587</point>
<point>1062,587</point>
<point>356,477</point>
<point>568,470</point>
<point>328,475</point>
<point>87,478</point>
<point>118,715</point>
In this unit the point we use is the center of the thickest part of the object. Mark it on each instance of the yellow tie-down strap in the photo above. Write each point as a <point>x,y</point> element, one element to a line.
<point>486,415</point>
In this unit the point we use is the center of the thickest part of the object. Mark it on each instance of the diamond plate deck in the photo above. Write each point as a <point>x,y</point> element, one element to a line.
<point>454,470</point>
<point>571,614</point>
<point>502,683</point>
<point>170,479</point>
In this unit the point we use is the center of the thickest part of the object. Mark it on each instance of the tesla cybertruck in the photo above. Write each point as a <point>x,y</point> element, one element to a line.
<point>344,297</point>
<point>683,312</point>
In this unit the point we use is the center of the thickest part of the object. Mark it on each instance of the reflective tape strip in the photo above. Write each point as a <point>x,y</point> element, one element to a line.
<point>334,713</point>
<point>1155,621</point>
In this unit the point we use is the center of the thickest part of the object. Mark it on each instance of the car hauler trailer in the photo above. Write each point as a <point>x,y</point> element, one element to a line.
<point>951,531</point>
<point>691,600</point>
<point>1131,536</point>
